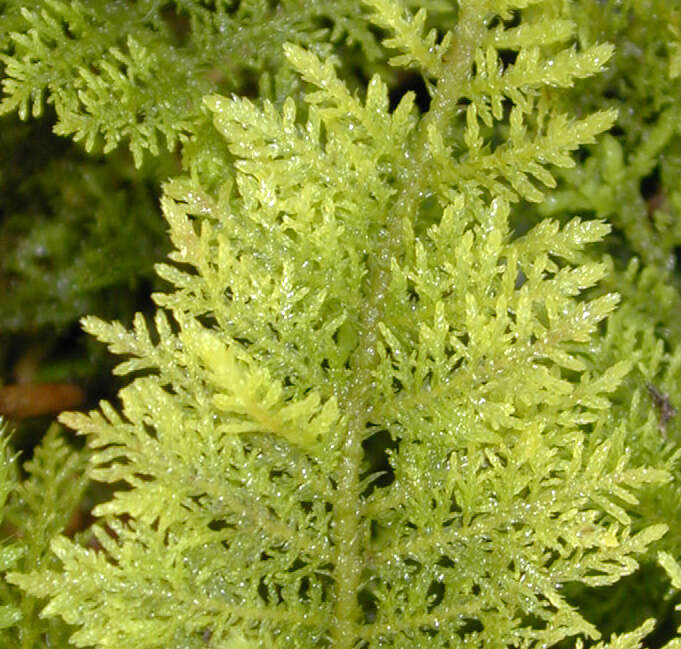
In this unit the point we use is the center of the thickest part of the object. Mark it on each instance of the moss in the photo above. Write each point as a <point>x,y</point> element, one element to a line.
<point>411,375</point>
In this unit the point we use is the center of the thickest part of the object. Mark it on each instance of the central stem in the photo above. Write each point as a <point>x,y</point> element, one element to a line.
<point>359,400</point>
<point>358,404</point>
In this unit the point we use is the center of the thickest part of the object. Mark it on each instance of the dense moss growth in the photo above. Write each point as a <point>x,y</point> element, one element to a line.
<point>415,363</point>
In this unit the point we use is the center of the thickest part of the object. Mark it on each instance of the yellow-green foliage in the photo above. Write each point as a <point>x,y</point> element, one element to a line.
<point>34,509</point>
<point>379,407</point>
<point>633,174</point>
<point>125,78</point>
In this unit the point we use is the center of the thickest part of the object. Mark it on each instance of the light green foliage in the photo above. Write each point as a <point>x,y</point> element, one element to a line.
<point>370,413</point>
<point>644,329</point>
<point>9,553</point>
<point>632,176</point>
<point>128,76</point>
<point>34,510</point>
<point>136,72</point>
<point>673,571</point>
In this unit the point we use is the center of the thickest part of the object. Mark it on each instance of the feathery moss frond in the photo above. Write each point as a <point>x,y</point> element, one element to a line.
<point>34,510</point>
<point>135,73</point>
<point>371,412</point>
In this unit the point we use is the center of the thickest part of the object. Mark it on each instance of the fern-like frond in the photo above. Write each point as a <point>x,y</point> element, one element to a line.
<point>136,73</point>
<point>371,414</point>
<point>34,511</point>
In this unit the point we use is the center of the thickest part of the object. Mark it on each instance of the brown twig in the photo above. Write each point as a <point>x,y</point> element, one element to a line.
<point>22,401</point>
